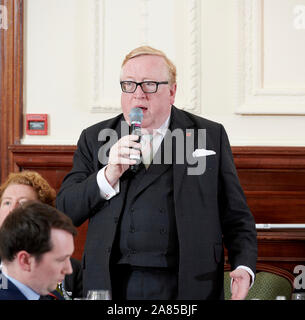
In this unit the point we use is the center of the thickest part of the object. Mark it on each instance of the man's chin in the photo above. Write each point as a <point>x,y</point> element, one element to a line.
<point>50,289</point>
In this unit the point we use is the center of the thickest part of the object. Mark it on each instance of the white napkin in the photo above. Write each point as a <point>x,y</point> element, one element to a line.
<point>203,153</point>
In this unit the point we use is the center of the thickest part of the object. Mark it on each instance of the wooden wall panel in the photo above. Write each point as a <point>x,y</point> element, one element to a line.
<point>272,207</point>
<point>53,162</point>
<point>273,179</point>
<point>11,83</point>
<point>282,248</point>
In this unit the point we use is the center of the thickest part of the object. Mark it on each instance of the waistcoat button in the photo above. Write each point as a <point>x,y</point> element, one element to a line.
<point>163,231</point>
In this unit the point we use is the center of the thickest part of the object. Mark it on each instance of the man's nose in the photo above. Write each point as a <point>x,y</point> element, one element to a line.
<point>139,92</point>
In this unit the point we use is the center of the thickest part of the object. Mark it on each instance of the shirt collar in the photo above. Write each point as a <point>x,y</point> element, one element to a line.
<point>163,128</point>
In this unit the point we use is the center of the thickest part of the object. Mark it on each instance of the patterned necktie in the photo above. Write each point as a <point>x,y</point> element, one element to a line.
<point>150,144</point>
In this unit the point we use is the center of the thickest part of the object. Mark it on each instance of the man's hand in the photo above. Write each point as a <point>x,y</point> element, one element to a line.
<point>119,157</point>
<point>240,285</point>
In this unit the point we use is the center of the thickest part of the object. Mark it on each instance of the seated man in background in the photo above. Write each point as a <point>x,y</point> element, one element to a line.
<point>30,185</point>
<point>36,243</point>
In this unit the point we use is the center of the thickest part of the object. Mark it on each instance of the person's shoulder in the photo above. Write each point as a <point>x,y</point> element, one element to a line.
<point>197,120</point>
<point>4,294</point>
<point>8,291</point>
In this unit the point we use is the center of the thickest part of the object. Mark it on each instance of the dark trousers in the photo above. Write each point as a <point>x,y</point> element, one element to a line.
<point>143,283</point>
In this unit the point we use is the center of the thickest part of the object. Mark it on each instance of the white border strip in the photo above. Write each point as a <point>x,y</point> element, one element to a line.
<point>280,226</point>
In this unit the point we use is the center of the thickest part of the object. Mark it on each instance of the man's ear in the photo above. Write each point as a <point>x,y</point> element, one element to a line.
<point>25,260</point>
<point>173,89</point>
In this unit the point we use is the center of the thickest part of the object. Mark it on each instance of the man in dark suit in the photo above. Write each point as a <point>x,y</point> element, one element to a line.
<point>158,232</point>
<point>36,243</point>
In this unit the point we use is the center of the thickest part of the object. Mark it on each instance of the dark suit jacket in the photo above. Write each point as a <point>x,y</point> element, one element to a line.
<point>11,292</point>
<point>210,209</point>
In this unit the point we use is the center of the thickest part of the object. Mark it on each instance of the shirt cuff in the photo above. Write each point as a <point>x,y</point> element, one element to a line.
<point>250,272</point>
<point>106,190</point>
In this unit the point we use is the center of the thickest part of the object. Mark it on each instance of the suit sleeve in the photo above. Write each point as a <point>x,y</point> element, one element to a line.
<point>238,223</point>
<point>79,196</point>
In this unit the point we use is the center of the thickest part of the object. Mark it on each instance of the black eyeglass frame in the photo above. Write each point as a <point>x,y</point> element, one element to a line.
<point>157,83</point>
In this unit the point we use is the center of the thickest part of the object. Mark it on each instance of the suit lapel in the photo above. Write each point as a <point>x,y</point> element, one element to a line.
<point>154,171</point>
<point>179,121</point>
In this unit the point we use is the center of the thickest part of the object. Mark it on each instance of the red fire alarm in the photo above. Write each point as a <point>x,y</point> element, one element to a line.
<point>37,124</point>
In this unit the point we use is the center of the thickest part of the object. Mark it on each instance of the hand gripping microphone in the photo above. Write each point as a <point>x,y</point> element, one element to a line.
<point>135,117</point>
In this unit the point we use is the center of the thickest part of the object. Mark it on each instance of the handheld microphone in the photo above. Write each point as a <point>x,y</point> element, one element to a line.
<point>136,117</point>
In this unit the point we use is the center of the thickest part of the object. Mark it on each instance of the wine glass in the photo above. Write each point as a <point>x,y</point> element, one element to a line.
<point>298,296</point>
<point>99,295</point>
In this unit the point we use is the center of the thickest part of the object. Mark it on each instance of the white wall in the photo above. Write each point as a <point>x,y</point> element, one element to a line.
<point>240,62</point>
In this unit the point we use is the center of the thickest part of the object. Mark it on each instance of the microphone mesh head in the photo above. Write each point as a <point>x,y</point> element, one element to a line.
<point>136,115</point>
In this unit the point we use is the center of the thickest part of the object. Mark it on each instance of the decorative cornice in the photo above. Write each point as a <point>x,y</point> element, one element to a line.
<point>194,94</point>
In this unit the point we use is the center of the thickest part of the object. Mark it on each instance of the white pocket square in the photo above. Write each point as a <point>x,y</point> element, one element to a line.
<point>202,153</point>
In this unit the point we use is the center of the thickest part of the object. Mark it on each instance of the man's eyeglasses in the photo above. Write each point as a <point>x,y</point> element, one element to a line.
<point>146,86</point>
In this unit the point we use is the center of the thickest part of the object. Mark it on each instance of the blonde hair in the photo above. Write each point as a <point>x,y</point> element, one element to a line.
<point>45,193</point>
<point>147,50</point>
